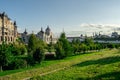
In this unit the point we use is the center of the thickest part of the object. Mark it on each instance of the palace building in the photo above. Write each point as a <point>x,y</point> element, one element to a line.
<point>47,36</point>
<point>8,29</point>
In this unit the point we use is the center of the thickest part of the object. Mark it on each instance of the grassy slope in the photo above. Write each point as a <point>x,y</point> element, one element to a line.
<point>85,66</point>
<point>97,66</point>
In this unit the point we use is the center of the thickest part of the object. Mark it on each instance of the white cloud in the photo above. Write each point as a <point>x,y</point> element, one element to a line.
<point>89,29</point>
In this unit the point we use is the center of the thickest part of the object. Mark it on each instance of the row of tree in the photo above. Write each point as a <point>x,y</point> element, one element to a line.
<point>19,55</point>
<point>65,48</point>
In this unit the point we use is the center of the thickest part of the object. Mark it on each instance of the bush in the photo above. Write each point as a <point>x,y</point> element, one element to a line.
<point>17,64</point>
<point>30,60</point>
<point>18,50</point>
<point>38,55</point>
<point>23,50</point>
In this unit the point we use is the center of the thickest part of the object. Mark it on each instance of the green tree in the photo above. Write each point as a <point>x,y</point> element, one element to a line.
<point>88,41</point>
<point>65,47</point>
<point>60,53</point>
<point>23,49</point>
<point>38,55</point>
<point>4,55</point>
<point>18,49</point>
<point>35,50</point>
<point>35,43</point>
<point>110,45</point>
<point>32,44</point>
<point>83,47</point>
<point>75,45</point>
<point>50,47</point>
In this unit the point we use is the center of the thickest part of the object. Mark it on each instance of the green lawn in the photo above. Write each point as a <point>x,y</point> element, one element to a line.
<point>103,65</point>
<point>98,65</point>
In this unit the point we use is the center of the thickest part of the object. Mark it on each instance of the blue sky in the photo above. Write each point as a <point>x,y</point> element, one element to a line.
<point>74,16</point>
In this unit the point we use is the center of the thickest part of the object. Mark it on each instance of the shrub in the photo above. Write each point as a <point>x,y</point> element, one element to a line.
<point>17,64</point>
<point>30,60</point>
<point>38,55</point>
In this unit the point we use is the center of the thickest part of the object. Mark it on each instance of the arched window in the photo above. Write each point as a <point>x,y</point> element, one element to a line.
<point>1,38</point>
<point>11,38</point>
<point>5,38</point>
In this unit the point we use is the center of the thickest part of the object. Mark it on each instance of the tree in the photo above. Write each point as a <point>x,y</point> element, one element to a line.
<point>62,36</point>
<point>35,43</point>
<point>38,55</point>
<point>83,47</point>
<point>50,47</point>
<point>18,49</point>
<point>75,45</point>
<point>88,41</point>
<point>64,45</point>
<point>36,50</point>
<point>110,45</point>
<point>32,44</point>
<point>23,49</point>
<point>60,53</point>
<point>4,55</point>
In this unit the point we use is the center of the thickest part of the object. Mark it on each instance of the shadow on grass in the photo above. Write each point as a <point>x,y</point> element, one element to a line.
<point>101,61</point>
<point>107,76</point>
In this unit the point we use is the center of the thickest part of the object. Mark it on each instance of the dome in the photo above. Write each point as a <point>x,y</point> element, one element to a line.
<point>47,29</point>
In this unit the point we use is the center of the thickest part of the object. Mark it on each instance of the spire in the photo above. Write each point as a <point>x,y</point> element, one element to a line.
<point>48,28</point>
<point>47,31</point>
<point>41,29</point>
<point>3,13</point>
<point>25,31</point>
<point>15,23</point>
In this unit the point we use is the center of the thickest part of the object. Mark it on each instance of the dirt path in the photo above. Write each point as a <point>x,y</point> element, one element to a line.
<point>28,78</point>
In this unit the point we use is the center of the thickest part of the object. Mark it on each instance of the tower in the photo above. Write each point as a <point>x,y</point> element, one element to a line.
<point>25,32</point>
<point>15,29</point>
<point>47,31</point>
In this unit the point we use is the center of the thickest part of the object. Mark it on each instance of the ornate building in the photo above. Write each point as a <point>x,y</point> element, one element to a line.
<point>8,29</point>
<point>46,36</point>
<point>25,37</point>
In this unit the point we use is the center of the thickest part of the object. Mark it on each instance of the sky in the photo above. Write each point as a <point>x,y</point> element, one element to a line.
<point>75,17</point>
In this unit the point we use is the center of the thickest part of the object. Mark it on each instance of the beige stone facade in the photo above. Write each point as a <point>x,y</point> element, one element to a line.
<point>8,29</point>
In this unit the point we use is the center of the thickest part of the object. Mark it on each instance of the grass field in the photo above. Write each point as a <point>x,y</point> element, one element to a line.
<point>103,65</point>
